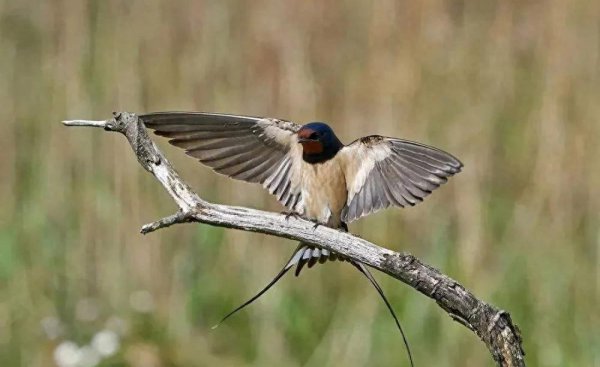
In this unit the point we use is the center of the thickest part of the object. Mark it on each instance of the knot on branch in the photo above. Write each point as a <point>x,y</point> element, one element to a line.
<point>121,122</point>
<point>133,128</point>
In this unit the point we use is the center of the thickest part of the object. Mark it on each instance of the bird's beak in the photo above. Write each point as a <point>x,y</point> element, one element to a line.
<point>303,140</point>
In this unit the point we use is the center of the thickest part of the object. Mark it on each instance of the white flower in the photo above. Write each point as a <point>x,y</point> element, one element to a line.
<point>66,354</point>
<point>106,343</point>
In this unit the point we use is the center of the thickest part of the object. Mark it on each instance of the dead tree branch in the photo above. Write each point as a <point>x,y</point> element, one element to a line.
<point>493,326</point>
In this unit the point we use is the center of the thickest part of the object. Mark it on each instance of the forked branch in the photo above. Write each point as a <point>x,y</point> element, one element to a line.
<point>493,326</point>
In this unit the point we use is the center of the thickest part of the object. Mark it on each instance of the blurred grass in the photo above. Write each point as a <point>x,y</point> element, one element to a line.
<point>512,88</point>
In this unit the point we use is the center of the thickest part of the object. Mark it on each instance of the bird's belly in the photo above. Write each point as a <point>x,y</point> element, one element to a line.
<point>324,192</point>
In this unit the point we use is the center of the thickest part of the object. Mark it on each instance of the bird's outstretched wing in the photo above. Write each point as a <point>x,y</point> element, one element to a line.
<point>382,172</point>
<point>252,149</point>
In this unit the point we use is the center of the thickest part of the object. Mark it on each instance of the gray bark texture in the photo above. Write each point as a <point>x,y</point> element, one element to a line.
<point>492,325</point>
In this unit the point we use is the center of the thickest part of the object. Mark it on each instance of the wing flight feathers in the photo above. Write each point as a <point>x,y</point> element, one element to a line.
<point>382,172</point>
<point>252,149</point>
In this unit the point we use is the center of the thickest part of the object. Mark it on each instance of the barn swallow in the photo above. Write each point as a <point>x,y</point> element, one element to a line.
<point>310,171</point>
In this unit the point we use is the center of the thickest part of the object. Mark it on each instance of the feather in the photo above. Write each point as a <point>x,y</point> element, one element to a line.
<point>381,172</point>
<point>252,149</point>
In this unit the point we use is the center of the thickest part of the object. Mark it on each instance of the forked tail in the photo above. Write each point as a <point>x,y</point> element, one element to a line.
<point>309,254</point>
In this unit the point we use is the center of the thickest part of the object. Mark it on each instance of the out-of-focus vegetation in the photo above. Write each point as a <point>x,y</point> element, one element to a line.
<point>512,88</point>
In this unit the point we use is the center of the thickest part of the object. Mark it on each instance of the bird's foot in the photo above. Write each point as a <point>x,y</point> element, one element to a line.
<point>289,214</point>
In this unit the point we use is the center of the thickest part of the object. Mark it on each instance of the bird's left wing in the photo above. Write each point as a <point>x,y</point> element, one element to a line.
<point>382,172</point>
<point>252,149</point>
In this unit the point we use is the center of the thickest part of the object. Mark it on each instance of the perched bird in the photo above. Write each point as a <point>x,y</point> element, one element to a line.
<point>311,171</point>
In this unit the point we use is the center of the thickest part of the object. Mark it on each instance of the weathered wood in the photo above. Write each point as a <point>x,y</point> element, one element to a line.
<point>493,326</point>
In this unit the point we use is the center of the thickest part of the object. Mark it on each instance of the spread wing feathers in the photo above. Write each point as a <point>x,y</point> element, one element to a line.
<point>383,172</point>
<point>252,149</point>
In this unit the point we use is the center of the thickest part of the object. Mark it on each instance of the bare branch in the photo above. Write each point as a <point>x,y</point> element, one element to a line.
<point>493,326</point>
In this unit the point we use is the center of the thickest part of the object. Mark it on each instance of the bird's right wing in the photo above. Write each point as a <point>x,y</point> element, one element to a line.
<point>252,149</point>
<point>382,172</point>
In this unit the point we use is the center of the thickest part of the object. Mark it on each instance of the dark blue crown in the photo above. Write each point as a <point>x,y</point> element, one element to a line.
<point>325,135</point>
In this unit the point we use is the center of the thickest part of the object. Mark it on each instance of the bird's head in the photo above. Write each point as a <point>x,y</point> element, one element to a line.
<point>319,142</point>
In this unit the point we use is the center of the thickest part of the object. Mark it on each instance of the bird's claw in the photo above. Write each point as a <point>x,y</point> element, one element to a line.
<point>290,214</point>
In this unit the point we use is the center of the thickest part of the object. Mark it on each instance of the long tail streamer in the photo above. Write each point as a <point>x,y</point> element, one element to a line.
<point>290,264</point>
<point>363,269</point>
<point>297,259</point>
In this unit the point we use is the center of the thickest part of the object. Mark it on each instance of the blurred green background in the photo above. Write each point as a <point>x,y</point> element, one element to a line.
<point>510,87</point>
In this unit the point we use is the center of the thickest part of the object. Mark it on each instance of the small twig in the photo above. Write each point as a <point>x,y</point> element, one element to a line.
<point>462,321</point>
<point>91,123</point>
<point>493,326</point>
<point>179,217</point>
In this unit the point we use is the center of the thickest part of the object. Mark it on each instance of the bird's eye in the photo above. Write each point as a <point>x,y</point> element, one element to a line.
<point>314,136</point>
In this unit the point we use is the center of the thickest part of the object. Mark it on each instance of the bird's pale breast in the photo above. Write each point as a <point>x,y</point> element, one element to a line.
<point>324,191</point>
